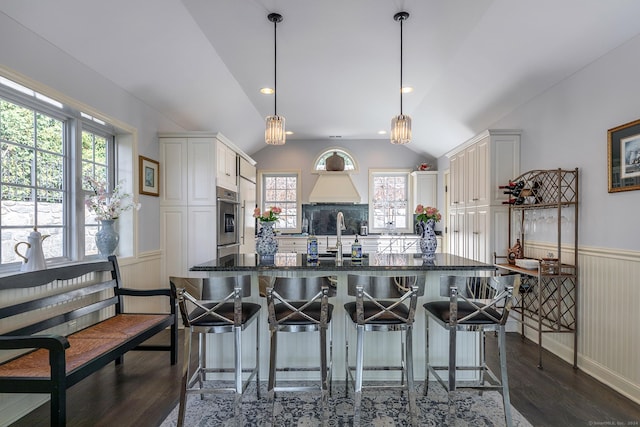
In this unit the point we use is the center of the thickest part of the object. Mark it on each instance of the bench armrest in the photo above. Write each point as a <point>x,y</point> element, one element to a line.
<point>50,342</point>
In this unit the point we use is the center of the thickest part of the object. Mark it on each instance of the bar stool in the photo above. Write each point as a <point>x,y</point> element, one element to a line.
<point>300,305</point>
<point>475,304</point>
<point>381,306</point>
<point>216,308</point>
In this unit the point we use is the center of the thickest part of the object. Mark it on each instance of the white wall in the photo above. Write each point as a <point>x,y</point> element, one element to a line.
<point>369,154</point>
<point>38,60</point>
<point>567,127</point>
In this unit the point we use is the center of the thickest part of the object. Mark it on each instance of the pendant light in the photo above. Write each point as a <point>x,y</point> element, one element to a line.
<point>401,124</point>
<point>274,131</point>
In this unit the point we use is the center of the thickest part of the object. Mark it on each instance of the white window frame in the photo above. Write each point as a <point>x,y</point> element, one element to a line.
<point>262,174</point>
<point>122,164</point>
<point>406,173</point>
<point>342,153</point>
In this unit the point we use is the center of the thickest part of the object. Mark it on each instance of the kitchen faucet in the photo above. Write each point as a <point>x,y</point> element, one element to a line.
<point>339,227</point>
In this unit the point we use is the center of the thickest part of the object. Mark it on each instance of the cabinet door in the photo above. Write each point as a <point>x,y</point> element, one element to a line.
<point>173,179</point>
<point>247,221</point>
<point>173,232</point>
<point>201,182</point>
<point>201,234</point>
<point>226,167</point>
<point>454,177</point>
<point>472,175</point>
<point>482,190</point>
<point>478,226</point>
<point>425,188</point>
<point>458,176</point>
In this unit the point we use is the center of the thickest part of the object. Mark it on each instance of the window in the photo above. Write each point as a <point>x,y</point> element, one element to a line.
<point>388,201</point>
<point>349,162</point>
<point>37,185</point>
<point>97,149</point>
<point>282,189</point>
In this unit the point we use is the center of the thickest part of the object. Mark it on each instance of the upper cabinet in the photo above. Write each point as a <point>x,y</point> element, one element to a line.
<point>425,188</point>
<point>188,171</point>
<point>481,165</point>
<point>227,166</point>
<point>193,164</point>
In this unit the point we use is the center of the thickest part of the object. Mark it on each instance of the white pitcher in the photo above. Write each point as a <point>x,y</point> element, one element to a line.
<point>34,258</point>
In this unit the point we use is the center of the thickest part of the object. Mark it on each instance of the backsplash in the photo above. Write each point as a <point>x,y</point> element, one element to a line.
<point>321,218</point>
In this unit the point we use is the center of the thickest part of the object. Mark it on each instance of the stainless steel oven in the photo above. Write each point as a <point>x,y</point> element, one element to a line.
<point>228,236</point>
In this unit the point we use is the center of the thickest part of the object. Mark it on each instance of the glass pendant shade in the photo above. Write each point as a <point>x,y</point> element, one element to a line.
<point>401,129</point>
<point>274,131</point>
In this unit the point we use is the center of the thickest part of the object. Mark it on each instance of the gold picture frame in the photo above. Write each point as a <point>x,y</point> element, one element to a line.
<point>623,156</point>
<point>149,176</point>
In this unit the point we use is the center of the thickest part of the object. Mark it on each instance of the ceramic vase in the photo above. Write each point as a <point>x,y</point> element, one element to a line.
<point>266,242</point>
<point>107,238</point>
<point>428,241</point>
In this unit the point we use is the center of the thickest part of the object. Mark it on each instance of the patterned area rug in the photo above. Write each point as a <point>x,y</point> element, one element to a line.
<point>380,408</point>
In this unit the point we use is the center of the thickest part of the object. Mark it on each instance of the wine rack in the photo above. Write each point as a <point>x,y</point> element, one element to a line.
<point>548,297</point>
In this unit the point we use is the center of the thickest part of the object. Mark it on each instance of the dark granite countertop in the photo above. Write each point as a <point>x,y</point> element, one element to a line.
<point>372,262</point>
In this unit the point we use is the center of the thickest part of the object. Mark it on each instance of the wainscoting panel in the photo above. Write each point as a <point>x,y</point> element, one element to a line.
<point>608,316</point>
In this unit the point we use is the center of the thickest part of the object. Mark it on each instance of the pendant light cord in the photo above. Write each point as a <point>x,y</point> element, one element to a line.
<point>275,69</point>
<point>401,66</point>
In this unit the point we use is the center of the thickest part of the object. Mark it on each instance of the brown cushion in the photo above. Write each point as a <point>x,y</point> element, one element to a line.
<point>371,309</point>
<point>441,310</point>
<point>312,311</point>
<point>225,310</point>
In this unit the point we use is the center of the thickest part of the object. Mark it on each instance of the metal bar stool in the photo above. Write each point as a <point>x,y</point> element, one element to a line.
<point>383,304</point>
<point>300,305</point>
<point>216,308</point>
<point>475,304</point>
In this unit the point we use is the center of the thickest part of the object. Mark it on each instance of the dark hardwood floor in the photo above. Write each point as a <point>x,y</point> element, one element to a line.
<point>143,390</point>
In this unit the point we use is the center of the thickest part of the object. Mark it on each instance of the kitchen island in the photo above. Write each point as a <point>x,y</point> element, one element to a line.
<point>379,348</point>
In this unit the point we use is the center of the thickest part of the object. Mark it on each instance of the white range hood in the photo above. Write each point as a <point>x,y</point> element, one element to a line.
<point>334,187</point>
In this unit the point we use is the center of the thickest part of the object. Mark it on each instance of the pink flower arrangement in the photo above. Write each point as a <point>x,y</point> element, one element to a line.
<point>270,214</point>
<point>105,204</point>
<point>426,213</point>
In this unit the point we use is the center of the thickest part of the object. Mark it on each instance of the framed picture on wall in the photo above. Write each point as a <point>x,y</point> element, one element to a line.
<point>623,155</point>
<point>149,176</point>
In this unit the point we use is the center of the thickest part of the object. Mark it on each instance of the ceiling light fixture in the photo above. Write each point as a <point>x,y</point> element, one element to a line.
<point>401,124</point>
<point>274,133</point>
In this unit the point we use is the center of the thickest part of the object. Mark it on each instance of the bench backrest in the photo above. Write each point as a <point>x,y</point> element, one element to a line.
<point>40,300</point>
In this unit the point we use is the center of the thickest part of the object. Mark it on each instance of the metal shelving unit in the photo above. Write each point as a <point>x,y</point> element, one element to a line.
<point>548,299</point>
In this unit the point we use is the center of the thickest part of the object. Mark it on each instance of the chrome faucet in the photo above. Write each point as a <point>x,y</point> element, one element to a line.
<point>339,227</point>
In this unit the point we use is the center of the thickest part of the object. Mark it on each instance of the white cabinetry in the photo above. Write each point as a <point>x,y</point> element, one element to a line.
<point>425,188</point>
<point>226,166</point>
<point>248,197</point>
<point>477,215</point>
<point>187,202</point>
<point>188,199</point>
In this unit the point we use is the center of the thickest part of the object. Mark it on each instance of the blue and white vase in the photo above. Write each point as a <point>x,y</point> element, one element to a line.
<point>107,237</point>
<point>428,241</point>
<point>266,242</point>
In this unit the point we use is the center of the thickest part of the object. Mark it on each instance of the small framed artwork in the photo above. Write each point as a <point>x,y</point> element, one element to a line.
<point>624,157</point>
<point>149,176</point>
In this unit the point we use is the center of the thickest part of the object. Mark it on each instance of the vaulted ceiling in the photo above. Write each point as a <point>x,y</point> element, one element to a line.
<point>201,63</point>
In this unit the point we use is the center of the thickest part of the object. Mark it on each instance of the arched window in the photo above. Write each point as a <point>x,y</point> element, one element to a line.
<point>349,162</point>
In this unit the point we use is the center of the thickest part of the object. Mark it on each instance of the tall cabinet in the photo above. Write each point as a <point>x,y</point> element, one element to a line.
<point>248,199</point>
<point>192,165</point>
<point>477,217</point>
<point>546,210</point>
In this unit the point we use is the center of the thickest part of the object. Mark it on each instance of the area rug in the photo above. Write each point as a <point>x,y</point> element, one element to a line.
<point>380,408</point>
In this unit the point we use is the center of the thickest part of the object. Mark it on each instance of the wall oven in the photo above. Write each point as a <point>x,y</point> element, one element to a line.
<point>228,236</point>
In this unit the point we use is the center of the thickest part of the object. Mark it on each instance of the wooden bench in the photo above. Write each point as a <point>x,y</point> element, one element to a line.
<point>41,356</point>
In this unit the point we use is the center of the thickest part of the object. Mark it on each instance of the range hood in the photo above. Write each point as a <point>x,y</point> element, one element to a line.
<point>334,187</point>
